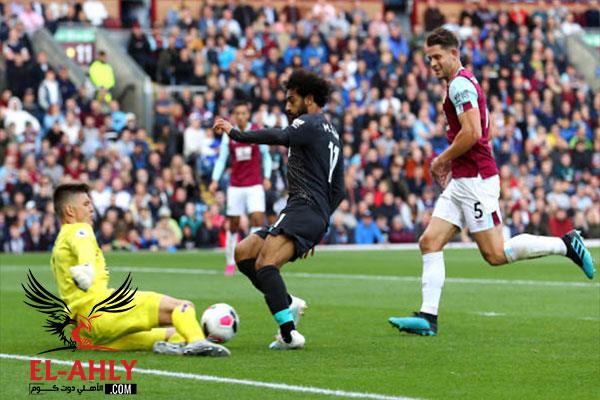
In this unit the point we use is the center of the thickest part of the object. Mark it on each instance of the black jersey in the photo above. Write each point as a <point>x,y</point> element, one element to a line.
<point>315,163</point>
<point>315,166</point>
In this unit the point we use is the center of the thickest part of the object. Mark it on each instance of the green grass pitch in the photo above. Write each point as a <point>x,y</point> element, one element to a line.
<point>529,330</point>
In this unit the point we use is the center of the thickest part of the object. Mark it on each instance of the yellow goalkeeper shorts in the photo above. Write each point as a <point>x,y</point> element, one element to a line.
<point>107,327</point>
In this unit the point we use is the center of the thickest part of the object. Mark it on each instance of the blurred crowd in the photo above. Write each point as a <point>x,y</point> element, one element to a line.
<point>149,187</point>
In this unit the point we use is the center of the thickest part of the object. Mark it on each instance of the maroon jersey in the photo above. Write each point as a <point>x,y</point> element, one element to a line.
<point>246,163</point>
<point>462,94</point>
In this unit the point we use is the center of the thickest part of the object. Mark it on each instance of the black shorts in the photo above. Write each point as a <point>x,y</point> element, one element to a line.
<point>305,226</point>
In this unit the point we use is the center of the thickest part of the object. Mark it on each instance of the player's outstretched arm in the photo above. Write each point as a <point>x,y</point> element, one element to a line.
<point>260,136</point>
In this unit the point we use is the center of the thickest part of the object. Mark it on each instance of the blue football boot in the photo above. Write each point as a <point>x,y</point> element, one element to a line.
<point>577,252</point>
<point>419,324</point>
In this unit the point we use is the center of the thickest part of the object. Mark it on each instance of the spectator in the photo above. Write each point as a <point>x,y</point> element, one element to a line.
<point>592,218</point>
<point>167,234</point>
<point>49,92</point>
<point>338,232</point>
<point>433,17</point>
<point>67,88</point>
<point>101,73</point>
<point>229,24</point>
<point>184,69</point>
<point>100,195</point>
<point>559,224</point>
<point>51,19</point>
<point>17,116</point>
<point>569,26</point>
<point>15,47</point>
<point>400,234</point>
<point>591,16</point>
<point>538,224</point>
<point>14,243</point>
<point>17,75</point>
<point>38,70</point>
<point>367,232</point>
<point>52,169</point>
<point>139,48</point>
<point>106,236</point>
<point>30,18</point>
<point>95,12</point>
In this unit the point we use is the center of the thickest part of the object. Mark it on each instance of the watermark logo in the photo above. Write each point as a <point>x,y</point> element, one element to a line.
<point>60,316</point>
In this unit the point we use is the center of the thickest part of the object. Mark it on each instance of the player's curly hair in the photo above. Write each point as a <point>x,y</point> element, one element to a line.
<point>444,38</point>
<point>308,83</point>
<point>63,193</point>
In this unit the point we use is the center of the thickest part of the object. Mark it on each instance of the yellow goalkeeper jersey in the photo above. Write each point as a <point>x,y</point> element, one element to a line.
<point>76,245</point>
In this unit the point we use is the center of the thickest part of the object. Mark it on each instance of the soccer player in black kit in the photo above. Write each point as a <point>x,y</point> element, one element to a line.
<point>316,187</point>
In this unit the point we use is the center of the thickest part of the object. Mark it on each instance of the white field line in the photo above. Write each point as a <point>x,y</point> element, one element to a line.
<point>231,381</point>
<point>311,275</point>
<point>494,314</point>
<point>590,243</point>
<point>489,314</point>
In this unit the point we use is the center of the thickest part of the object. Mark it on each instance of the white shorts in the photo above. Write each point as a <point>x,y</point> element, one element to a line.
<point>245,200</point>
<point>471,202</point>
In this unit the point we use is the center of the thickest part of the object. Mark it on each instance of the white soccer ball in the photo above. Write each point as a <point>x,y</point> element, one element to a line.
<point>220,323</point>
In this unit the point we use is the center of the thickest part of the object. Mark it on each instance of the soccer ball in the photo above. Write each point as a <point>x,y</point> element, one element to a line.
<point>220,323</point>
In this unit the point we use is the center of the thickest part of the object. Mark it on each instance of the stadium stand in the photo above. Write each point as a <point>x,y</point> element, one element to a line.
<point>150,182</point>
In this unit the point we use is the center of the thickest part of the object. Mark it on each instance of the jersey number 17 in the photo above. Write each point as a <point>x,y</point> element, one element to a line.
<point>334,153</point>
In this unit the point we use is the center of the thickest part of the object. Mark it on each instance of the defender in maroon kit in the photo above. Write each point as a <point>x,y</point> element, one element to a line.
<point>247,185</point>
<point>467,170</point>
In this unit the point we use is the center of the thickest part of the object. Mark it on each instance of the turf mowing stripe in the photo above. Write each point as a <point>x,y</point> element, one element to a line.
<point>232,381</point>
<point>310,275</point>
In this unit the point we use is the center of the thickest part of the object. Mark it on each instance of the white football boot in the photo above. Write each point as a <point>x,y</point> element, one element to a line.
<point>296,343</point>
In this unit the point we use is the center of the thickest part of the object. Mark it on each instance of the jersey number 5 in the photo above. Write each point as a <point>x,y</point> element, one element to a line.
<point>478,210</point>
<point>334,153</point>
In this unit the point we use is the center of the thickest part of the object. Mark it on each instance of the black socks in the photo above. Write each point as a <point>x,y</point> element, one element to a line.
<point>272,285</point>
<point>247,267</point>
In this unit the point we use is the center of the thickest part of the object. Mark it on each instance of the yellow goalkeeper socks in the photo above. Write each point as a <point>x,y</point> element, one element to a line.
<point>184,320</point>
<point>176,338</point>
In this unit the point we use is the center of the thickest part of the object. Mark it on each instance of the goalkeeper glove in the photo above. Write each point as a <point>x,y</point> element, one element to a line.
<point>83,275</point>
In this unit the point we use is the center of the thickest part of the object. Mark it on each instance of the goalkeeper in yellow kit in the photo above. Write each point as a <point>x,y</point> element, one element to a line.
<point>80,271</point>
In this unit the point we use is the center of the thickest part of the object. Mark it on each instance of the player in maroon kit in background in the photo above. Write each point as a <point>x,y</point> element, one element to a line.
<point>467,172</point>
<point>246,191</point>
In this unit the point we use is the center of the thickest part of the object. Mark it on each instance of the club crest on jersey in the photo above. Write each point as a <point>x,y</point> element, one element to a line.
<point>297,123</point>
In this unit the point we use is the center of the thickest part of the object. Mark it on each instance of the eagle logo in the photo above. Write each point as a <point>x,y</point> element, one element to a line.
<point>60,316</point>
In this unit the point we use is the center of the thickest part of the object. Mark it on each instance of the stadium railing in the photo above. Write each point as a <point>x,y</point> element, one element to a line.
<point>42,40</point>
<point>585,59</point>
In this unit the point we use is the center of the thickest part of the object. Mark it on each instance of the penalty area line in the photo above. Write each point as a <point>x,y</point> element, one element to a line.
<point>231,381</point>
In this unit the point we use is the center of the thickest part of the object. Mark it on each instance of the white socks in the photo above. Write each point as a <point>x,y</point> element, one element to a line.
<point>434,273</point>
<point>522,247</point>
<point>231,239</point>
<point>230,242</point>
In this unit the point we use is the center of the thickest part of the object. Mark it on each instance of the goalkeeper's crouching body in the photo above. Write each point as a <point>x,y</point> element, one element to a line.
<point>121,319</point>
